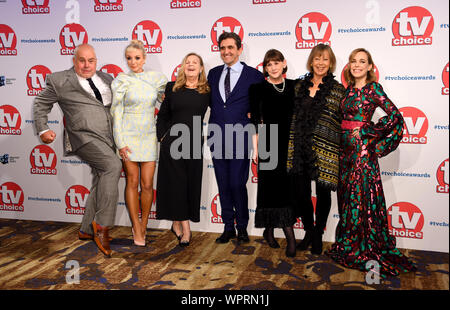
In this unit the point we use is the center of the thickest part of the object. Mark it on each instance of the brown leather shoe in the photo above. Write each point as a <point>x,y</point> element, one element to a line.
<point>101,238</point>
<point>84,236</point>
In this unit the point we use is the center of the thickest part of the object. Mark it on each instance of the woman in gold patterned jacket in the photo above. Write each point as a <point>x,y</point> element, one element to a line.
<point>314,144</point>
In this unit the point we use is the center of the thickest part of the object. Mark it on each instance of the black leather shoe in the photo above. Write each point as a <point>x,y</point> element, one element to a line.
<point>242,236</point>
<point>226,236</point>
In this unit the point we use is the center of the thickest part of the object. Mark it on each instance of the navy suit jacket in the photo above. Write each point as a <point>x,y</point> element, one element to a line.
<point>235,110</point>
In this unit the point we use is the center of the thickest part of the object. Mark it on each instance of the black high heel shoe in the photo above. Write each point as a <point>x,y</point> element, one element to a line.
<point>306,242</point>
<point>173,231</point>
<point>316,244</point>
<point>290,240</point>
<point>185,243</point>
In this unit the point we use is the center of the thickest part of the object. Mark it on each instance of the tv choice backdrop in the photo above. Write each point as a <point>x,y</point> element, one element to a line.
<point>408,41</point>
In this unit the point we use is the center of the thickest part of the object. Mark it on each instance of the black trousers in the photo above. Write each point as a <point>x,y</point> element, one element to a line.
<point>304,207</point>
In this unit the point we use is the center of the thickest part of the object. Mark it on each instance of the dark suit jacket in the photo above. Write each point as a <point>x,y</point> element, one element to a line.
<point>235,110</point>
<point>87,119</point>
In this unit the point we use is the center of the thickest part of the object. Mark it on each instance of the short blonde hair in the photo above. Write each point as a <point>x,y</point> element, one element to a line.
<point>318,50</point>
<point>136,44</point>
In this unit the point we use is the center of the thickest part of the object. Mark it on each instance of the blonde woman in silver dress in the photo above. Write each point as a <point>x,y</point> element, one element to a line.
<point>133,109</point>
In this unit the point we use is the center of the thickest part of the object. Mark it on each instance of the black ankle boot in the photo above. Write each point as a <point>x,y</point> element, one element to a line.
<point>270,239</point>
<point>304,244</point>
<point>316,244</point>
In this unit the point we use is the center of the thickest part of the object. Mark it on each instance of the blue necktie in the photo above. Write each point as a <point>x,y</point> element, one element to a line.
<point>227,84</point>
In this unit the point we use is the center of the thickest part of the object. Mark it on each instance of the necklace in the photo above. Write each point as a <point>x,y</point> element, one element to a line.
<point>280,90</point>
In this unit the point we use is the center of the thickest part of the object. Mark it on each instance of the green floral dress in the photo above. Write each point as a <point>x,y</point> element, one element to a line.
<point>362,234</point>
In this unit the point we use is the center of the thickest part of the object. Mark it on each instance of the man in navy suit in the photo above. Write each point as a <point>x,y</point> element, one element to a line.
<point>229,109</point>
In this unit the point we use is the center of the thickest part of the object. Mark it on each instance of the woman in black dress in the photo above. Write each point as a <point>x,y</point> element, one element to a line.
<point>179,129</point>
<point>316,135</point>
<point>271,105</point>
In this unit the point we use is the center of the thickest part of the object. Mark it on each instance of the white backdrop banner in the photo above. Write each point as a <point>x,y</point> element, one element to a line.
<point>409,41</point>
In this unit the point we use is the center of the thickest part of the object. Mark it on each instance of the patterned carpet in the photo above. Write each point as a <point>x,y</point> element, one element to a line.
<point>42,255</point>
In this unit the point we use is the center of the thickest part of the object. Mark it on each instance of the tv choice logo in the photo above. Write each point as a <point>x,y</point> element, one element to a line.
<point>344,82</point>
<point>445,80</point>
<point>416,126</point>
<point>185,4</point>
<point>175,73</point>
<point>412,26</point>
<point>260,67</point>
<point>11,197</point>
<point>10,120</point>
<point>70,37</point>
<point>108,6</point>
<point>216,218</point>
<point>8,41</point>
<point>254,169</point>
<point>442,177</point>
<point>150,34</point>
<point>35,7</point>
<point>405,220</point>
<point>268,1</point>
<point>225,24</point>
<point>299,223</point>
<point>152,213</point>
<point>312,29</point>
<point>43,160</point>
<point>36,79</point>
<point>76,198</point>
<point>111,69</point>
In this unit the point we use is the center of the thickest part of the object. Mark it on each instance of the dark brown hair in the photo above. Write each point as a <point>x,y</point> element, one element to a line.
<point>231,35</point>
<point>272,55</point>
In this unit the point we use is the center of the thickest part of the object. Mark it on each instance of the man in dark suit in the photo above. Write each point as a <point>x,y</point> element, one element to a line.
<point>229,109</point>
<point>84,96</point>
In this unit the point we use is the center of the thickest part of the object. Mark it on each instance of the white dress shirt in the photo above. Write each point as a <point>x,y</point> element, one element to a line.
<point>103,88</point>
<point>235,73</point>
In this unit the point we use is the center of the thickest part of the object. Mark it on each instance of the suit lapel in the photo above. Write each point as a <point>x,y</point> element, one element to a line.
<point>216,85</point>
<point>73,79</point>
<point>103,77</point>
<point>239,84</point>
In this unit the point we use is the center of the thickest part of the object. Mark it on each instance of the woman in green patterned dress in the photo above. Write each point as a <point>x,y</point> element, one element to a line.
<point>362,234</point>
